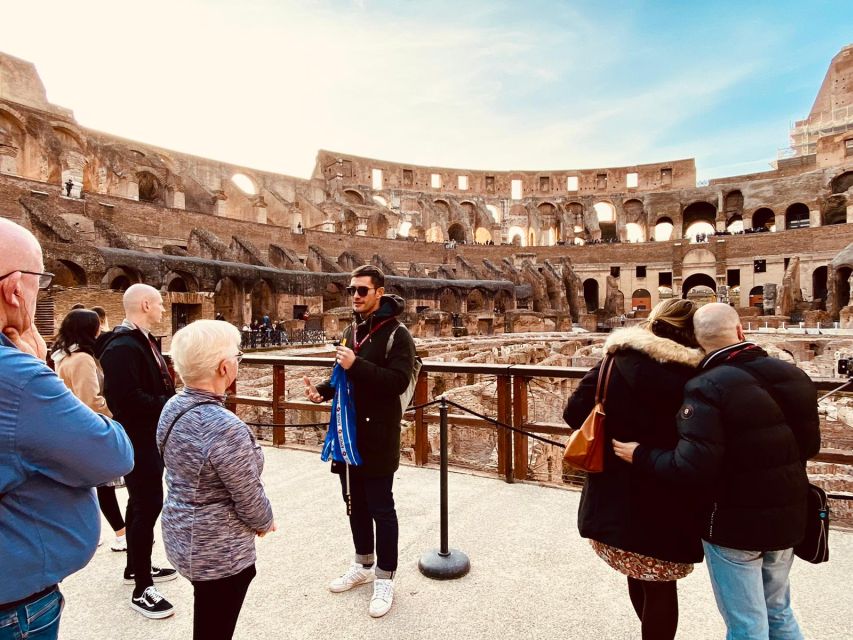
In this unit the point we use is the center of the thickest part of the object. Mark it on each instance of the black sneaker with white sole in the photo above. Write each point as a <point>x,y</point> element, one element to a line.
<point>158,574</point>
<point>151,604</point>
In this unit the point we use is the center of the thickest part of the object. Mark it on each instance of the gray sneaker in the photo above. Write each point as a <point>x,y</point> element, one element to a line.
<point>355,575</point>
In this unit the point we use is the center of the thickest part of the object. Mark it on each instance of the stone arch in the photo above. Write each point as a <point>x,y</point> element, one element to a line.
<point>263,300</point>
<point>590,294</point>
<point>820,286</point>
<point>763,218</point>
<point>842,182</point>
<point>605,213</point>
<point>67,274</point>
<point>842,287</point>
<point>456,231</point>
<point>348,224</point>
<point>351,196</point>
<point>448,300</point>
<point>434,233</point>
<point>377,226</point>
<point>69,138</point>
<point>228,300</point>
<point>797,216</point>
<point>150,188</point>
<point>834,210</point>
<point>503,301</point>
<point>697,280</point>
<point>641,300</point>
<point>335,296</point>
<point>482,235</point>
<point>442,207</point>
<point>756,297</point>
<point>663,229</point>
<point>698,217</point>
<point>734,224</point>
<point>245,183</point>
<point>13,144</point>
<point>180,281</point>
<point>476,301</point>
<point>119,278</point>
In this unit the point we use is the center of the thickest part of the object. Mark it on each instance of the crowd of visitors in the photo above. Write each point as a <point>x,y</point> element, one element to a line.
<point>707,442</point>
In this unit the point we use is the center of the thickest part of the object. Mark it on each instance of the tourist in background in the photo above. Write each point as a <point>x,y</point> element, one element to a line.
<point>53,450</point>
<point>137,384</point>
<point>643,527</point>
<point>74,360</point>
<point>747,426</point>
<point>213,476</point>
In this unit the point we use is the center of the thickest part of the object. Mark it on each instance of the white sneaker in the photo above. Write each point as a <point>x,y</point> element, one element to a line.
<point>355,575</point>
<point>383,596</point>
<point>119,544</point>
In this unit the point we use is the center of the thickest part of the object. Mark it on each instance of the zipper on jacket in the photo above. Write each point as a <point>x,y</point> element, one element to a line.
<point>711,527</point>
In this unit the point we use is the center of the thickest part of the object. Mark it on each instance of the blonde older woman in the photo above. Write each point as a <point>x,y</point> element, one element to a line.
<point>216,503</point>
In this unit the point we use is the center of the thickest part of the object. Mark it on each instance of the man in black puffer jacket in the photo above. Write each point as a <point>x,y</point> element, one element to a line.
<point>747,425</point>
<point>380,369</point>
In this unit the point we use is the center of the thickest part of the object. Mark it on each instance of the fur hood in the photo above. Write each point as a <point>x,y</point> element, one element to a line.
<point>660,349</point>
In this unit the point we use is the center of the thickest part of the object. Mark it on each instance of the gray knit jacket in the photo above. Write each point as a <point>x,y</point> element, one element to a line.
<point>216,502</point>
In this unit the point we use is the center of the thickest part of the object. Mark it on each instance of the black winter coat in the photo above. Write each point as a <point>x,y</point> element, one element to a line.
<point>134,387</point>
<point>378,379</point>
<point>747,426</point>
<point>621,506</point>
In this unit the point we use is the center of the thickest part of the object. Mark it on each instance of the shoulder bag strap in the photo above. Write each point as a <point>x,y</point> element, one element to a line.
<point>603,376</point>
<point>175,421</point>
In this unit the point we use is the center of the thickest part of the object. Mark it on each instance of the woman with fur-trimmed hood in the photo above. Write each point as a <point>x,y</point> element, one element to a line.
<point>640,526</point>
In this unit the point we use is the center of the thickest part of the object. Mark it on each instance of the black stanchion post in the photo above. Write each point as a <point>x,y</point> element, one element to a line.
<point>444,563</point>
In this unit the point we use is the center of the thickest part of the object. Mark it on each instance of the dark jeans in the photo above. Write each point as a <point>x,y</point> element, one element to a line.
<point>144,502</point>
<point>36,617</point>
<point>373,501</point>
<point>109,507</point>
<point>217,604</point>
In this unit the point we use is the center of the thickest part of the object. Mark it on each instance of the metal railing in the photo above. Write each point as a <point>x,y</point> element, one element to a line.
<point>512,408</point>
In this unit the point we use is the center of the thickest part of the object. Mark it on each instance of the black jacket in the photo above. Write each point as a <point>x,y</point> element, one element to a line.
<point>134,386</point>
<point>621,506</point>
<point>747,426</point>
<point>378,380</point>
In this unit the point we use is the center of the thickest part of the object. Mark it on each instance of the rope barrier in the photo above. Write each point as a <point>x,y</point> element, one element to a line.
<point>505,426</point>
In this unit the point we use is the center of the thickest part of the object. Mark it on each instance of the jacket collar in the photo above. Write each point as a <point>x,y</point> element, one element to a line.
<point>727,353</point>
<point>657,348</point>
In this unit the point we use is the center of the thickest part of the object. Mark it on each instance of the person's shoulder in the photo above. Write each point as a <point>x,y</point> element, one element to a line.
<point>17,369</point>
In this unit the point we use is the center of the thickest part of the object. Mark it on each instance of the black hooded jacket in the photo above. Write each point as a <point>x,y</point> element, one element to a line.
<point>134,386</point>
<point>621,506</point>
<point>746,427</point>
<point>378,379</point>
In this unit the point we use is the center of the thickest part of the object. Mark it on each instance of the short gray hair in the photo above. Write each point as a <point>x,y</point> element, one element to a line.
<point>198,348</point>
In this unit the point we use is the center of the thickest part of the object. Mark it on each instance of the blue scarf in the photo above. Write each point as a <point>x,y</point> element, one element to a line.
<point>340,438</point>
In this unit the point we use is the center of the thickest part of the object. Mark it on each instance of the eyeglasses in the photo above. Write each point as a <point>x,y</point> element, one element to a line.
<point>362,290</point>
<point>239,355</point>
<point>44,278</point>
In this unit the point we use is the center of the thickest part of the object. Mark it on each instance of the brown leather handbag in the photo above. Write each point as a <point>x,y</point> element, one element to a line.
<point>585,448</point>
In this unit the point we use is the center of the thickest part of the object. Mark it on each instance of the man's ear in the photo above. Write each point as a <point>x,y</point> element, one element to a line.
<point>740,334</point>
<point>380,291</point>
<point>11,291</point>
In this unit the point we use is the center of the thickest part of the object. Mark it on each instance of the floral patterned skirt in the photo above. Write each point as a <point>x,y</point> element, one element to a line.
<point>640,567</point>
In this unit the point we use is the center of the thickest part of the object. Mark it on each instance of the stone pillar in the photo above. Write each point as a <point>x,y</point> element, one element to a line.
<point>361,228</point>
<point>814,217</point>
<point>850,213</point>
<point>259,207</point>
<point>220,203</point>
<point>780,222</point>
<point>770,299</point>
<point>131,189</point>
<point>8,158</point>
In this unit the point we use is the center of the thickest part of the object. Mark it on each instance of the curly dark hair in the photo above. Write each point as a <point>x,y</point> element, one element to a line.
<point>79,327</point>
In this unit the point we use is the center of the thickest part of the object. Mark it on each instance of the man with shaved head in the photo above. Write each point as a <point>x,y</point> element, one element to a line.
<point>137,385</point>
<point>747,425</point>
<point>53,450</point>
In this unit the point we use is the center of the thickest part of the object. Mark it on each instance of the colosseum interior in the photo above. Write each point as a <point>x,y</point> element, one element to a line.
<point>530,265</point>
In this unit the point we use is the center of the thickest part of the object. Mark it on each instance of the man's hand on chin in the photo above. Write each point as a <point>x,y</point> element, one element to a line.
<point>30,341</point>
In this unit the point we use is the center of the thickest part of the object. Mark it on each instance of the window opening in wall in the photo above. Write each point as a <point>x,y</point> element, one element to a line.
<point>733,277</point>
<point>244,183</point>
<point>376,176</point>
<point>663,230</point>
<point>848,146</point>
<point>299,311</point>
<point>786,261</point>
<point>615,271</point>
<point>632,180</point>
<point>641,271</point>
<point>462,183</point>
<point>666,176</point>
<point>634,232</point>
<point>435,181</point>
<point>516,190</point>
<point>490,184</point>
<point>544,183</point>
<point>759,266</point>
<point>601,181</point>
<point>572,183</point>
<point>665,279</point>
<point>408,178</point>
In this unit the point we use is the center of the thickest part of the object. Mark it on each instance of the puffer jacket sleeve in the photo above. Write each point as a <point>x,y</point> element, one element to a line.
<point>697,458</point>
<point>582,400</point>
<point>397,372</point>
<point>800,411</point>
<point>234,458</point>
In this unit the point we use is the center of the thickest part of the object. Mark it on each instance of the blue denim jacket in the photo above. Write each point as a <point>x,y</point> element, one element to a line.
<point>53,450</point>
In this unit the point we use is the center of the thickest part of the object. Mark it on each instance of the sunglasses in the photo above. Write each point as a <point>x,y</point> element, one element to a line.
<point>44,278</point>
<point>362,291</point>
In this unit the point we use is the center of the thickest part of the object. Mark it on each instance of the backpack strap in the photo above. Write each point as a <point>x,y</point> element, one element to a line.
<point>178,417</point>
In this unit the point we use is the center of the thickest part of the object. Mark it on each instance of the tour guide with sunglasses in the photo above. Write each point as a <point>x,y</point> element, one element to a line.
<point>53,450</point>
<point>379,369</point>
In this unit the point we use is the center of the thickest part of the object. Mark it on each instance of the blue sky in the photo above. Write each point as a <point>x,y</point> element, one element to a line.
<point>481,85</point>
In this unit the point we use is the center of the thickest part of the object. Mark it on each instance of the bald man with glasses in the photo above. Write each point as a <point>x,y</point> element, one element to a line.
<point>53,451</point>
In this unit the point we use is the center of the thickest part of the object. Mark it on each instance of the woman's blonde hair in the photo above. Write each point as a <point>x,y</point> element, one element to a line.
<point>673,319</point>
<point>198,348</point>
